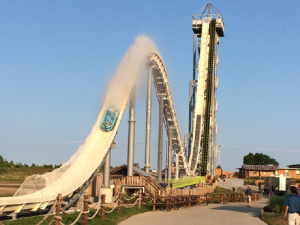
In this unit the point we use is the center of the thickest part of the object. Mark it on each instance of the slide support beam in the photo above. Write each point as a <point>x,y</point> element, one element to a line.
<point>160,134</point>
<point>148,120</point>
<point>131,133</point>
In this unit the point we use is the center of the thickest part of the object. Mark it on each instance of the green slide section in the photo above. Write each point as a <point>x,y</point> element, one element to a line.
<point>187,181</point>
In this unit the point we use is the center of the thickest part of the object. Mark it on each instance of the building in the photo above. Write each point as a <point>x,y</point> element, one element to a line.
<point>116,175</point>
<point>234,175</point>
<point>258,171</point>
<point>218,172</point>
<point>247,171</point>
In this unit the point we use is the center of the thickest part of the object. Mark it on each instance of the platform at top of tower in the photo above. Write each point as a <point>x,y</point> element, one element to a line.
<point>197,26</point>
<point>207,12</point>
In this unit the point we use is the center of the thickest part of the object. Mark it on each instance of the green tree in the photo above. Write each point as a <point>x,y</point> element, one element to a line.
<point>259,159</point>
<point>1,159</point>
<point>219,166</point>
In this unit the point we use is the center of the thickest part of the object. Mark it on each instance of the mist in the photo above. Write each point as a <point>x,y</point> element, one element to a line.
<point>130,67</point>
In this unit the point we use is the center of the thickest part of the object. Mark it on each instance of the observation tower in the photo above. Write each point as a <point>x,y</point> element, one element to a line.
<point>208,27</point>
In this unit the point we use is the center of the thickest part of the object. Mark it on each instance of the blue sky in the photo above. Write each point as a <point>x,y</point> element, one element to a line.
<point>57,57</point>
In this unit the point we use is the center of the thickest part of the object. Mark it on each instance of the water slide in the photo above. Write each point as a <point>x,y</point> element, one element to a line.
<point>199,108</point>
<point>92,153</point>
<point>203,147</point>
<point>84,164</point>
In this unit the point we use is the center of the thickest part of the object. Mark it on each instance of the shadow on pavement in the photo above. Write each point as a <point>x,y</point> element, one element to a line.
<point>255,211</point>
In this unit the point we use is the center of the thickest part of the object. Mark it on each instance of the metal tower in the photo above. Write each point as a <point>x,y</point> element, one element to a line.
<point>202,90</point>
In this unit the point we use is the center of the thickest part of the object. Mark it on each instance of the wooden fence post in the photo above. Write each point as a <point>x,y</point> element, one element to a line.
<point>140,198</point>
<point>154,203</point>
<point>102,217</point>
<point>85,209</point>
<point>119,203</point>
<point>57,217</point>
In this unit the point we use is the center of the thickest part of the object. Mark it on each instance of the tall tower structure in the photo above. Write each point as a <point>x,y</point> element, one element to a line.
<point>208,27</point>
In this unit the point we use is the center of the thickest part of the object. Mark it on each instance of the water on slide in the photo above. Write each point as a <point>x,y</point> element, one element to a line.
<point>89,156</point>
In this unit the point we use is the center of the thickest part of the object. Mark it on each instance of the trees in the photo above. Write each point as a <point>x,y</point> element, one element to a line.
<point>259,159</point>
<point>219,166</point>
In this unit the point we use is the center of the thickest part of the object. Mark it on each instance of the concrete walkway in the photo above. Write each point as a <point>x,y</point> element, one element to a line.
<point>230,213</point>
<point>230,183</point>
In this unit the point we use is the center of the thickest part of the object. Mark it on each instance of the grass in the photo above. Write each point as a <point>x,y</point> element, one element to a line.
<point>110,219</point>
<point>20,174</point>
<point>219,190</point>
<point>273,219</point>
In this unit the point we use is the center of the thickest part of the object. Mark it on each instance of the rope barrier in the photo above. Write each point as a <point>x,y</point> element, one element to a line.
<point>73,210</point>
<point>128,207</point>
<point>113,207</point>
<point>51,221</point>
<point>145,196</point>
<point>128,199</point>
<point>78,217</point>
<point>147,202</point>
<point>98,207</point>
<point>48,214</point>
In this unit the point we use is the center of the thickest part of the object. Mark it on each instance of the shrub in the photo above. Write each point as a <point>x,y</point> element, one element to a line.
<point>277,204</point>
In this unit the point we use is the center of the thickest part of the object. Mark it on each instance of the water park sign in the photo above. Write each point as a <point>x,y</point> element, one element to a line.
<point>260,167</point>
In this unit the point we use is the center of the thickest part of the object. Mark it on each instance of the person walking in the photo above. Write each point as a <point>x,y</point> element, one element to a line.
<point>224,182</point>
<point>272,192</point>
<point>248,194</point>
<point>292,206</point>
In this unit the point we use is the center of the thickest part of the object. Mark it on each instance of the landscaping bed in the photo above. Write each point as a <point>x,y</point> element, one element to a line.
<point>274,212</point>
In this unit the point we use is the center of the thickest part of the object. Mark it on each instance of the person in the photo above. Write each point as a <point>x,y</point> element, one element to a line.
<point>272,192</point>
<point>292,206</point>
<point>171,185</point>
<point>248,194</point>
<point>223,182</point>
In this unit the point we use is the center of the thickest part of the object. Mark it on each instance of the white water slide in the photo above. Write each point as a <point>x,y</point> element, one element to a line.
<point>90,155</point>
<point>85,163</point>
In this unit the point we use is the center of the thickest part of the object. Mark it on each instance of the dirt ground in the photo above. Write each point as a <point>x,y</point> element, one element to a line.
<point>9,188</point>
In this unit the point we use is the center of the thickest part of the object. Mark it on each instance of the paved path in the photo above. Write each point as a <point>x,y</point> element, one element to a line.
<point>230,183</point>
<point>230,213</point>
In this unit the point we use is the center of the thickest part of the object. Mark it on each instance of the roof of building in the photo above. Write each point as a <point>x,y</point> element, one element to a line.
<point>260,167</point>
<point>294,166</point>
<point>287,168</point>
<point>136,171</point>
